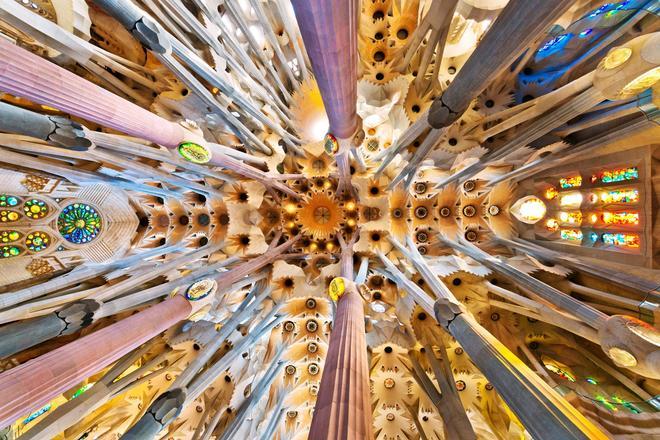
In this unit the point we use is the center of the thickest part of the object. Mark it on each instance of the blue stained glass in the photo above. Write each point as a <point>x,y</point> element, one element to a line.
<point>79,223</point>
<point>36,414</point>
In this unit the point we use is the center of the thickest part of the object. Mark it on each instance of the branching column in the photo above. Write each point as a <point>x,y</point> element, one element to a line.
<point>24,74</point>
<point>544,413</point>
<point>31,385</point>
<point>517,26</point>
<point>343,407</point>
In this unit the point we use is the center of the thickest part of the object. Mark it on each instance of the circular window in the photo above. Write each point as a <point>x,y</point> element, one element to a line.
<point>79,223</point>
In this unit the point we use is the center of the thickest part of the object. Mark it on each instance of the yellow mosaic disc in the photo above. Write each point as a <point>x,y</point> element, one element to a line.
<point>336,289</point>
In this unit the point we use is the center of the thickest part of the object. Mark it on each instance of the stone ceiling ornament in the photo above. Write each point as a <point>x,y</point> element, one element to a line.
<point>331,219</point>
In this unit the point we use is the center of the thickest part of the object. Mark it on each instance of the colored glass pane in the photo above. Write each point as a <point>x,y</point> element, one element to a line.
<point>531,210</point>
<point>629,406</point>
<point>37,241</point>
<point>9,216</point>
<point>572,199</point>
<point>571,234</point>
<point>616,175</point>
<point>623,240</point>
<point>7,200</point>
<point>9,251</point>
<point>81,390</point>
<point>620,196</point>
<point>573,218</point>
<point>571,182</point>
<point>556,43</point>
<point>35,209</point>
<point>620,218</point>
<point>37,413</point>
<point>9,236</point>
<point>606,403</point>
<point>599,11</point>
<point>552,225</point>
<point>559,371</point>
<point>79,223</point>
<point>551,193</point>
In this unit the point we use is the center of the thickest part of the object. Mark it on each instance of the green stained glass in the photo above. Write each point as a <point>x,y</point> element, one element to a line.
<point>7,200</point>
<point>9,251</point>
<point>35,209</point>
<point>79,223</point>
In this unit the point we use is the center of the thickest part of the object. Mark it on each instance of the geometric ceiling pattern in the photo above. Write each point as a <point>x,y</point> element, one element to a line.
<point>329,219</point>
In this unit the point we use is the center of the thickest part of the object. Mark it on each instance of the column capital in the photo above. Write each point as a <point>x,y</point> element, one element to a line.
<point>446,310</point>
<point>200,295</point>
<point>78,315</point>
<point>161,413</point>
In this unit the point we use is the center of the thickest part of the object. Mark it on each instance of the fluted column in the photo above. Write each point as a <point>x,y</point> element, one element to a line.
<point>329,30</point>
<point>343,407</point>
<point>26,75</point>
<point>31,385</point>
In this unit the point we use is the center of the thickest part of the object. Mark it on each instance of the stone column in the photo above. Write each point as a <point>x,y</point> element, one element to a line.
<point>26,75</point>
<point>544,413</point>
<point>21,335</point>
<point>343,407</point>
<point>329,30</point>
<point>31,385</point>
<point>516,27</point>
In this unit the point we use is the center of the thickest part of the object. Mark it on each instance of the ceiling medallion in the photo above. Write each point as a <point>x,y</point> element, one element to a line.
<point>195,153</point>
<point>201,289</point>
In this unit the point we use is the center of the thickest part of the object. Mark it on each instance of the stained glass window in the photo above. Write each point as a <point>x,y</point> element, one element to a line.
<point>606,403</point>
<point>37,241</point>
<point>9,236</point>
<point>573,199</point>
<point>620,218</point>
<point>616,175</point>
<point>620,196</point>
<point>8,201</point>
<point>79,223</point>
<point>573,218</point>
<point>35,209</point>
<point>37,414</point>
<point>529,209</point>
<point>81,390</point>
<point>621,239</point>
<point>629,406</point>
<point>571,235</point>
<point>556,43</point>
<point>552,225</point>
<point>559,371</point>
<point>9,251</point>
<point>551,193</point>
<point>9,216</point>
<point>571,182</point>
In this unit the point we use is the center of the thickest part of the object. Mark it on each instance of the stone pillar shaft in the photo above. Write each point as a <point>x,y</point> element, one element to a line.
<point>329,30</point>
<point>29,76</point>
<point>31,385</point>
<point>343,407</point>
<point>516,27</point>
<point>544,413</point>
